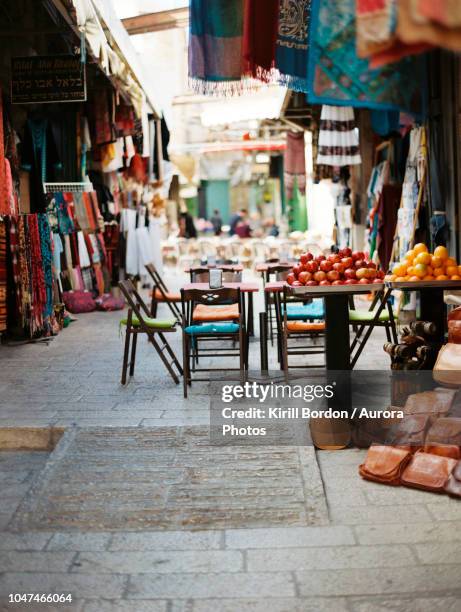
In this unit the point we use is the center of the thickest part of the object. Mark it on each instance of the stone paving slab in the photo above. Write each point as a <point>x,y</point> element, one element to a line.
<point>170,478</point>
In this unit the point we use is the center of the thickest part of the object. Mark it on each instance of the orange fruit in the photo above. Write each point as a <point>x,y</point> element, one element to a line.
<point>420,270</point>
<point>410,255</point>
<point>400,279</point>
<point>451,261</point>
<point>441,252</point>
<point>459,270</point>
<point>442,277</point>
<point>414,279</point>
<point>411,270</point>
<point>420,248</point>
<point>439,272</point>
<point>423,258</point>
<point>452,270</point>
<point>436,262</point>
<point>430,270</point>
<point>455,277</point>
<point>428,277</point>
<point>390,277</point>
<point>399,269</point>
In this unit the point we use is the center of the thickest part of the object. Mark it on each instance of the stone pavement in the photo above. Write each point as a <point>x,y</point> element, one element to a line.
<point>381,548</point>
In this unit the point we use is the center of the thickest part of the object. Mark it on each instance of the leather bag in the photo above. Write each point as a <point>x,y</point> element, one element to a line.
<point>453,486</point>
<point>428,472</point>
<point>445,431</point>
<point>384,464</point>
<point>411,431</point>
<point>454,332</point>
<point>444,450</point>
<point>429,402</point>
<point>447,369</point>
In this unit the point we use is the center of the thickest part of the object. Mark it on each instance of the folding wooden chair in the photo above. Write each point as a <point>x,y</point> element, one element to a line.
<point>225,327</point>
<point>275,272</point>
<point>299,328</point>
<point>160,294</point>
<point>138,321</point>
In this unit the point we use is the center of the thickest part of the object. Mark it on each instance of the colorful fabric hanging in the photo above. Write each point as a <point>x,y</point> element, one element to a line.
<point>338,137</point>
<point>4,203</point>
<point>295,164</point>
<point>3,277</point>
<point>47,258</point>
<point>445,12</point>
<point>376,22</point>
<point>215,46</point>
<point>414,28</point>
<point>291,56</point>
<point>259,38</point>
<point>337,76</point>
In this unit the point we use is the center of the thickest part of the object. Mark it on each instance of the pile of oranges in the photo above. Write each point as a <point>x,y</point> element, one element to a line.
<point>420,265</point>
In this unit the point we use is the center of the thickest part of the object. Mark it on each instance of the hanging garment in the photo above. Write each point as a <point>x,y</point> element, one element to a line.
<point>445,12</point>
<point>81,212</point>
<point>412,30</point>
<point>291,55</point>
<point>389,203</point>
<point>3,277</point>
<point>83,251</point>
<point>259,38</point>
<point>57,251</point>
<point>103,117</point>
<point>39,157</point>
<point>337,75</point>
<point>295,163</point>
<point>215,45</point>
<point>13,240</point>
<point>162,135</point>
<point>39,301</point>
<point>47,258</point>
<point>65,222</point>
<point>4,200</point>
<point>376,36</point>
<point>338,137</point>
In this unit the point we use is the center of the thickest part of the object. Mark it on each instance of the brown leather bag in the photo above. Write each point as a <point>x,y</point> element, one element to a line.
<point>447,369</point>
<point>444,450</point>
<point>454,332</point>
<point>445,431</point>
<point>453,486</point>
<point>428,472</point>
<point>429,402</point>
<point>384,464</point>
<point>411,431</point>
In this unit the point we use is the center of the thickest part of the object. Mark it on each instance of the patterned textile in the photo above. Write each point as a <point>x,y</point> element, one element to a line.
<point>37,277</point>
<point>375,19</point>
<point>338,76</point>
<point>445,12</point>
<point>215,46</point>
<point>293,43</point>
<point>338,137</point>
<point>259,38</point>
<point>411,29</point>
<point>295,164</point>
<point>47,258</point>
<point>4,202</point>
<point>15,266</point>
<point>3,277</point>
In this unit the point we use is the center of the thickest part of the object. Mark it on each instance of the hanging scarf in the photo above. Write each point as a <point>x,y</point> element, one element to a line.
<point>37,277</point>
<point>414,28</point>
<point>259,38</point>
<point>293,42</point>
<point>5,208</point>
<point>47,257</point>
<point>445,12</point>
<point>295,164</point>
<point>215,46</point>
<point>337,76</point>
<point>3,277</point>
<point>338,137</point>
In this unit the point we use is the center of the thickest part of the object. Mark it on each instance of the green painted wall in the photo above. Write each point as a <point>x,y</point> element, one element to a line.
<point>217,196</point>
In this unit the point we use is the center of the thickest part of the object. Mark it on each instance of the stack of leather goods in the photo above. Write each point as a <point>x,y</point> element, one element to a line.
<point>423,450</point>
<point>417,349</point>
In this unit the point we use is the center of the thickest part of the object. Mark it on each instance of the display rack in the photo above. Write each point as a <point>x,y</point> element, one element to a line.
<point>68,187</point>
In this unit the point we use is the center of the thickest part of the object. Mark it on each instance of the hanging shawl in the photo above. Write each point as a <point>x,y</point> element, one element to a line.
<point>37,277</point>
<point>215,46</point>
<point>3,277</point>
<point>338,137</point>
<point>47,257</point>
<point>295,164</point>
<point>414,28</point>
<point>293,42</point>
<point>337,76</point>
<point>259,38</point>
<point>445,12</point>
<point>5,208</point>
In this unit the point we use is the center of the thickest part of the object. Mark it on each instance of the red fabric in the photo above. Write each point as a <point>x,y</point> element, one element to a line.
<point>388,206</point>
<point>78,301</point>
<point>38,302</point>
<point>295,163</point>
<point>4,203</point>
<point>398,51</point>
<point>444,12</point>
<point>259,37</point>
<point>108,302</point>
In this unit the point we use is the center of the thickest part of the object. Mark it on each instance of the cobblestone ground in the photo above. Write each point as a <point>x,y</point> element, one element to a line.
<point>380,548</point>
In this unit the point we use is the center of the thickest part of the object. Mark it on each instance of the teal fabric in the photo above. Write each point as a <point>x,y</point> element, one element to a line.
<point>356,316</point>
<point>212,328</point>
<point>152,323</point>
<point>306,312</point>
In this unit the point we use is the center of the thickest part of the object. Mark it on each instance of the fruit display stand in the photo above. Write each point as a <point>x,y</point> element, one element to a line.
<point>337,297</point>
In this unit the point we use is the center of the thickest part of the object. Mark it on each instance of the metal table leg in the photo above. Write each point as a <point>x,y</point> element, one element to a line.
<point>263,341</point>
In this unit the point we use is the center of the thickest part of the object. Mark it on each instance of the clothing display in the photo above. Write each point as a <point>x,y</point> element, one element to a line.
<point>388,206</point>
<point>337,75</point>
<point>295,163</point>
<point>414,26</point>
<point>215,45</point>
<point>3,277</point>
<point>293,43</point>
<point>338,138</point>
<point>259,38</point>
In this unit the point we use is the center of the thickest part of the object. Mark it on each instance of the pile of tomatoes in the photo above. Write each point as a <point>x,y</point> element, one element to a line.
<point>346,267</point>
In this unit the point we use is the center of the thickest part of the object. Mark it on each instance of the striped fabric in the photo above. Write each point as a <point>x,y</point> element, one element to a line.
<point>3,276</point>
<point>338,137</point>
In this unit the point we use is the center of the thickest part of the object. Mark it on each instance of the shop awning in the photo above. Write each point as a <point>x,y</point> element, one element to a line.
<point>264,103</point>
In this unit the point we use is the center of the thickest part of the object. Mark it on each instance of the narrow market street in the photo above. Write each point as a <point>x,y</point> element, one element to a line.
<point>135,510</point>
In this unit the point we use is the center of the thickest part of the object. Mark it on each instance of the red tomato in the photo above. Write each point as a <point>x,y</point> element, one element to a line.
<point>291,278</point>
<point>347,262</point>
<point>324,283</point>
<point>349,273</point>
<point>304,277</point>
<point>304,258</point>
<point>297,269</point>
<point>312,266</point>
<point>320,276</point>
<point>334,258</point>
<point>319,258</point>
<point>326,265</point>
<point>339,267</point>
<point>311,283</point>
<point>359,263</point>
<point>351,281</point>
<point>333,275</point>
<point>346,252</point>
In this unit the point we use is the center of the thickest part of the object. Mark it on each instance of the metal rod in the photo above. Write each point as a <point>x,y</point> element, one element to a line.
<point>263,341</point>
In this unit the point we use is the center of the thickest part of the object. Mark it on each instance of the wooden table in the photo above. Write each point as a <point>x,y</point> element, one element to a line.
<point>225,267</point>
<point>337,337</point>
